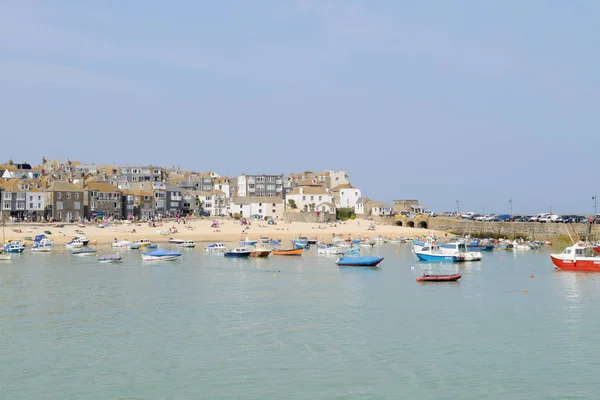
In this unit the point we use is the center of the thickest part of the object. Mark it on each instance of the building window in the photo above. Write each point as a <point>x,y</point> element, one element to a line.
<point>312,198</point>
<point>7,205</point>
<point>31,206</point>
<point>59,195</point>
<point>320,198</point>
<point>274,211</point>
<point>30,198</point>
<point>59,205</point>
<point>68,195</point>
<point>77,205</point>
<point>39,198</point>
<point>304,198</point>
<point>58,215</point>
<point>76,196</point>
<point>273,204</point>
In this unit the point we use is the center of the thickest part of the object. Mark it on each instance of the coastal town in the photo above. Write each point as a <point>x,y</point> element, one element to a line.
<point>71,191</point>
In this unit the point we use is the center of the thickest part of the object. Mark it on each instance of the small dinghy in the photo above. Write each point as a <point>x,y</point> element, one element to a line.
<point>438,278</point>
<point>358,261</point>
<point>110,259</point>
<point>84,252</point>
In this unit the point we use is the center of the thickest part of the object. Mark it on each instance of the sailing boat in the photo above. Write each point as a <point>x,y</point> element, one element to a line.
<point>4,256</point>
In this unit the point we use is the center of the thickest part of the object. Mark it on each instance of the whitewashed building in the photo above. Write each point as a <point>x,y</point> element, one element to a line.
<point>263,206</point>
<point>308,198</point>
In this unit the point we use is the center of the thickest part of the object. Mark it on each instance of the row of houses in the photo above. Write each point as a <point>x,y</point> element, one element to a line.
<point>69,190</point>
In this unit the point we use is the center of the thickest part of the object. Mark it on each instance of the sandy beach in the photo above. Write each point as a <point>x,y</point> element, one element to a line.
<point>200,230</point>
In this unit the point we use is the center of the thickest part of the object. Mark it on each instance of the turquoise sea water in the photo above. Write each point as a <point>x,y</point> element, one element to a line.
<point>207,327</point>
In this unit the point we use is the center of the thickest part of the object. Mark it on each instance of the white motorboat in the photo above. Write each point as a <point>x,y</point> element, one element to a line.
<point>216,247</point>
<point>121,243</point>
<point>328,248</point>
<point>75,244</point>
<point>187,243</point>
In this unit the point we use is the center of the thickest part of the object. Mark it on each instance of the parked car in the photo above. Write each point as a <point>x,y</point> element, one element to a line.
<point>504,217</point>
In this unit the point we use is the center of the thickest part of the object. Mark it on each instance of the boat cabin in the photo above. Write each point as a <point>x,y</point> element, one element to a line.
<point>579,251</point>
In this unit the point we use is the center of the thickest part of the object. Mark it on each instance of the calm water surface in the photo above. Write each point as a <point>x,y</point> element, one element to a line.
<point>207,327</point>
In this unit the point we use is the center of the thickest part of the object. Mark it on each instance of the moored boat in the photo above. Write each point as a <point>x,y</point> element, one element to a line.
<point>84,252</point>
<point>14,246</point>
<point>42,247</point>
<point>358,261</point>
<point>83,239</point>
<point>145,242</point>
<point>75,244</point>
<point>579,257</point>
<point>438,278</point>
<point>121,243</point>
<point>328,248</point>
<point>216,247</point>
<point>188,243</point>
<point>110,259</point>
<point>161,255</point>
<point>261,253</point>
<point>287,252</point>
<point>238,252</point>
<point>176,241</point>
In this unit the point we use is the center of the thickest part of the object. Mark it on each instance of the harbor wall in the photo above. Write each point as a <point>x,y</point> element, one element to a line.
<point>311,217</point>
<point>527,230</point>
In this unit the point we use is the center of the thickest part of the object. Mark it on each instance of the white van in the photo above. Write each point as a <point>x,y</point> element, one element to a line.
<point>549,218</point>
<point>538,217</point>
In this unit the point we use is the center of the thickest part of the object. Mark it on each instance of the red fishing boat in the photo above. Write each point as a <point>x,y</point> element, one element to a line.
<point>579,257</point>
<point>438,278</point>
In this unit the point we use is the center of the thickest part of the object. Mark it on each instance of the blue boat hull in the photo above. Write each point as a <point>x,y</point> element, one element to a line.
<point>14,250</point>
<point>238,255</point>
<point>480,248</point>
<point>365,261</point>
<point>435,257</point>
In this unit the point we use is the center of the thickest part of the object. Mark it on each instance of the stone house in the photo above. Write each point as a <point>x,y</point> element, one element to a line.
<point>102,200</point>
<point>64,202</point>
<point>143,204</point>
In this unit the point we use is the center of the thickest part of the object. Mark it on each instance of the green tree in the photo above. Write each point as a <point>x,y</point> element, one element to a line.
<point>292,204</point>
<point>344,214</point>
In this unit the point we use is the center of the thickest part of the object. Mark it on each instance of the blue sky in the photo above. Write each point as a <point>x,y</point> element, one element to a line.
<point>477,101</point>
